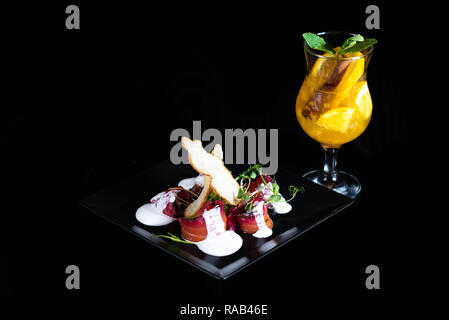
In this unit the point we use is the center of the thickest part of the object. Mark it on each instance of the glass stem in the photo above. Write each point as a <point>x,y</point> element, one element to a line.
<point>330,165</point>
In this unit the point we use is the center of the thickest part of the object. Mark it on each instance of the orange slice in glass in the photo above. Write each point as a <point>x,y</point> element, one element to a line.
<point>337,119</point>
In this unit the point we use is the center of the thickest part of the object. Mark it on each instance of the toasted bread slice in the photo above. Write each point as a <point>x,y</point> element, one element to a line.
<point>218,151</point>
<point>223,183</point>
<point>193,208</point>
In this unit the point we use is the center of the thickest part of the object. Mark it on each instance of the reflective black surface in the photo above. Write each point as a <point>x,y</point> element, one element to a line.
<point>84,110</point>
<point>119,203</point>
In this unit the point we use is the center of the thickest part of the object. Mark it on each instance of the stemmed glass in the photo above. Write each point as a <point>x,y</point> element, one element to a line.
<point>334,107</point>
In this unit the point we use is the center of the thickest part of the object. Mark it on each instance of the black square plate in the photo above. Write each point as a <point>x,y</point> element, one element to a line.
<point>119,203</point>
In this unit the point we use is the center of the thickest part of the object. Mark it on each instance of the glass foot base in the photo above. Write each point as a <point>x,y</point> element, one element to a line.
<point>346,183</point>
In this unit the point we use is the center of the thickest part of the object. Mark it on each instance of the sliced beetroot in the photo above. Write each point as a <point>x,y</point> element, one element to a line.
<point>184,196</point>
<point>232,215</point>
<point>197,189</point>
<point>238,209</point>
<point>247,221</point>
<point>193,229</point>
<point>231,222</point>
<point>212,204</point>
<point>175,208</point>
<point>193,222</point>
<point>170,210</point>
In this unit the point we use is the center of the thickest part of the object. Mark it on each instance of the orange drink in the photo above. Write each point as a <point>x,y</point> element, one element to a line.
<point>334,103</point>
<point>335,114</point>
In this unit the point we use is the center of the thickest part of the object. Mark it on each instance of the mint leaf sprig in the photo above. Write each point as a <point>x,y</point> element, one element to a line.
<point>357,46</point>
<point>316,42</point>
<point>354,43</point>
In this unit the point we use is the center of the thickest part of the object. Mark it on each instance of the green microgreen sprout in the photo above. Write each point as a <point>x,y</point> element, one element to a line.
<point>252,173</point>
<point>172,237</point>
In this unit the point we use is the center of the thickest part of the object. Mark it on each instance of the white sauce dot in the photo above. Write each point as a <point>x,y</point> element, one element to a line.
<point>281,207</point>
<point>259,217</point>
<point>150,215</point>
<point>263,232</point>
<point>222,245</point>
<point>189,183</point>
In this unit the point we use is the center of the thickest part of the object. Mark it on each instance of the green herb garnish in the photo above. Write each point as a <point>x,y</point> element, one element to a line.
<point>252,173</point>
<point>316,42</point>
<point>172,237</point>
<point>276,197</point>
<point>293,191</point>
<point>354,43</point>
<point>213,196</point>
<point>351,41</point>
<point>358,46</point>
<point>249,206</point>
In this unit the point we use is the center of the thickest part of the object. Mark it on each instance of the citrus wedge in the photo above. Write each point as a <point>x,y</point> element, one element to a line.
<point>321,71</point>
<point>317,77</point>
<point>363,99</point>
<point>353,73</point>
<point>336,119</point>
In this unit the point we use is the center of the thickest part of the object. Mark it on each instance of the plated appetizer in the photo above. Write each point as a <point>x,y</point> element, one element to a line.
<point>212,205</point>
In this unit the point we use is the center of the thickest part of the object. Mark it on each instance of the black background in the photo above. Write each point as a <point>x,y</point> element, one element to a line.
<point>86,108</point>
